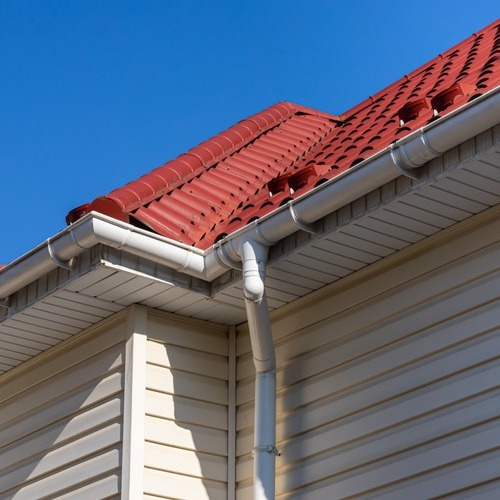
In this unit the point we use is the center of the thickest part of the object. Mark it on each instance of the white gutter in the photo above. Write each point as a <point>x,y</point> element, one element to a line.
<point>402,157</point>
<point>249,246</point>
<point>94,229</point>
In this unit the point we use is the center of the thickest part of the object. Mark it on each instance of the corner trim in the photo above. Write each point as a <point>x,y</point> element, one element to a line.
<point>134,404</point>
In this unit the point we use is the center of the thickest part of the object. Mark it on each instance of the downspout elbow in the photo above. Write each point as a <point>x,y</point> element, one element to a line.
<point>253,287</point>
<point>253,260</point>
<point>253,257</point>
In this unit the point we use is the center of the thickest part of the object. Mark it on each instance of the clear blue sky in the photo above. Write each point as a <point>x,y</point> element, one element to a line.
<point>96,93</point>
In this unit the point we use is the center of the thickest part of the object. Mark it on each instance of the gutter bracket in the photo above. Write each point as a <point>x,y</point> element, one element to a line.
<point>308,228</point>
<point>69,265</point>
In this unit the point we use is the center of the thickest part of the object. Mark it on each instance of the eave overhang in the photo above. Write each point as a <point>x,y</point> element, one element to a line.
<point>212,278</point>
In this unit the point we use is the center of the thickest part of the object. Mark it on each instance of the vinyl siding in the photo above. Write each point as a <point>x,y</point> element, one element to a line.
<point>61,418</point>
<point>388,381</point>
<point>186,412</point>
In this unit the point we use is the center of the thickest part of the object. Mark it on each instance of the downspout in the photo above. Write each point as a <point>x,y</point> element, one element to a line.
<point>253,259</point>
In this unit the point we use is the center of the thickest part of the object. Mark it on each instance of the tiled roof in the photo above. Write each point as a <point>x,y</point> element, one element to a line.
<point>284,151</point>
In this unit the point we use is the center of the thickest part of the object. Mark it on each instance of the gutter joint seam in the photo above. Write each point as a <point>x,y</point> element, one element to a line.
<point>427,145</point>
<point>69,265</point>
<point>308,228</point>
<point>396,153</point>
<point>261,235</point>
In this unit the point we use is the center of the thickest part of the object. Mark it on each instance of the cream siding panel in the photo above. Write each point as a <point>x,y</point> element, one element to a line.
<point>161,484</point>
<point>388,380</point>
<point>62,455</point>
<point>206,364</point>
<point>61,418</point>
<point>186,384</point>
<point>169,433</point>
<point>185,462</point>
<point>208,337</point>
<point>104,487</point>
<point>61,431</point>
<point>75,475</point>
<point>196,412</point>
<point>93,393</point>
<point>185,451</point>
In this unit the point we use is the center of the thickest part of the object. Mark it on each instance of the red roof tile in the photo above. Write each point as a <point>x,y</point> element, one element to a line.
<point>284,151</point>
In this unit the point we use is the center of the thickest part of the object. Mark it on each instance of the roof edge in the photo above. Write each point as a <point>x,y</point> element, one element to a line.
<point>400,158</point>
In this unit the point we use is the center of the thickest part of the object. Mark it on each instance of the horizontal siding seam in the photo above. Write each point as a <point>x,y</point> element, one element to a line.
<point>183,474</point>
<point>187,422</point>
<point>470,489</point>
<point>94,479</point>
<point>181,370</point>
<point>419,387</point>
<point>68,369</point>
<point>223,405</point>
<point>365,331</point>
<point>184,448</point>
<point>183,346</point>
<point>401,481</point>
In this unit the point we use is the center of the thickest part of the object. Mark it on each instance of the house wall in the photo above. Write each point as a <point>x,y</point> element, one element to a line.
<point>186,408</point>
<point>61,419</point>
<point>388,381</point>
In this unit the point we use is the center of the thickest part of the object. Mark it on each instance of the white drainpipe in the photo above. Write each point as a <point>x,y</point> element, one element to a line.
<point>253,258</point>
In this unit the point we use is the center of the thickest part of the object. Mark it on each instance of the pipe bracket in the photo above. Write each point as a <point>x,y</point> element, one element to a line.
<point>308,228</point>
<point>268,448</point>
<point>69,264</point>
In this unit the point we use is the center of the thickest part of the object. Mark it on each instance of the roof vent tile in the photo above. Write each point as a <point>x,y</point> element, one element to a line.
<point>415,109</point>
<point>456,94</point>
